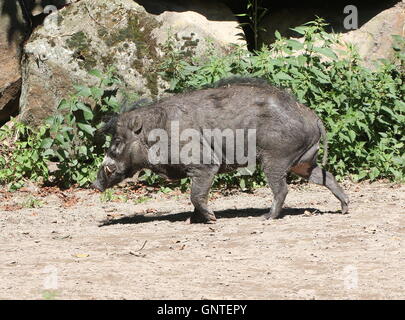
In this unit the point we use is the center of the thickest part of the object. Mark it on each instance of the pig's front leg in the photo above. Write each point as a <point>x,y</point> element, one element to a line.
<point>200,187</point>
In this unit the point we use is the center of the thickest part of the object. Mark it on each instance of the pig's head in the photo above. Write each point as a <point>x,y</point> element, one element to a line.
<point>124,157</point>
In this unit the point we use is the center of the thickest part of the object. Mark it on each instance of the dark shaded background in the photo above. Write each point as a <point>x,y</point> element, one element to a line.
<point>367,10</point>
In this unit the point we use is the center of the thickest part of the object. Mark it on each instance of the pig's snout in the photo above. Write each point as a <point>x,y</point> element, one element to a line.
<point>98,186</point>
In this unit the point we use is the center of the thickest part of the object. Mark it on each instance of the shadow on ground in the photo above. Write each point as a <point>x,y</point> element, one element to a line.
<point>223,214</point>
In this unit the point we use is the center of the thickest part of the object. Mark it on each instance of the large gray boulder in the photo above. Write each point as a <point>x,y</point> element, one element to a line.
<point>12,33</point>
<point>374,39</point>
<point>78,38</point>
<point>99,34</point>
<point>196,24</point>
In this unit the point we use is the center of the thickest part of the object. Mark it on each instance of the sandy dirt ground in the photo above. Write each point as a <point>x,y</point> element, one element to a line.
<point>139,245</point>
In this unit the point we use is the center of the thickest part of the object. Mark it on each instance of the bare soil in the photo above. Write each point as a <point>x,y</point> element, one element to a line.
<point>140,245</point>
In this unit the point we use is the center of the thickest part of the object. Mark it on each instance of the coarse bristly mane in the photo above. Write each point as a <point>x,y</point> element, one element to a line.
<point>127,107</point>
<point>256,82</point>
<point>111,120</point>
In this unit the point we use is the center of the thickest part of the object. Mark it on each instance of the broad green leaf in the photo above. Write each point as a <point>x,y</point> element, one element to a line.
<point>83,91</point>
<point>97,93</point>
<point>283,76</point>
<point>326,52</point>
<point>87,112</point>
<point>96,73</point>
<point>46,143</point>
<point>295,45</point>
<point>86,128</point>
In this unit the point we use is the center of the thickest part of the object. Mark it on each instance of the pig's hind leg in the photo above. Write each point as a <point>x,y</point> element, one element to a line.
<point>322,177</point>
<point>308,169</point>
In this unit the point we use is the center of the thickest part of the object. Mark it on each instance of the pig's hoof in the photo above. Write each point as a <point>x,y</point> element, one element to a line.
<point>268,216</point>
<point>345,207</point>
<point>201,218</point>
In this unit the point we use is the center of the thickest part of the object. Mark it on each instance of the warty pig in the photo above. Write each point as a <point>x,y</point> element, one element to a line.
<point>283,133</point>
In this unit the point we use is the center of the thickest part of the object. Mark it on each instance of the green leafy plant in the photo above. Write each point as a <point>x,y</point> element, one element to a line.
<point>72,138</point>
<point>32,202</point>
<point>21,154</point>
<point>254,15</point>
<point>165,189</point>
<point>110,195</point>
<point>142,200</point>
<point>50,294</point>
<point>151,178</point>
<point>67,138</point>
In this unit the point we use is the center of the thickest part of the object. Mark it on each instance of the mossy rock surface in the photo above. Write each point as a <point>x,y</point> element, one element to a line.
<point>100,34</point>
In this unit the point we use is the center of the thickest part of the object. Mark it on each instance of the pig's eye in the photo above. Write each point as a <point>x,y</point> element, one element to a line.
<point>116,147</point>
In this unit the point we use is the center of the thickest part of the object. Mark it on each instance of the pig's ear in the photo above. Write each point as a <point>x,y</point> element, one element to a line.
<point>135,124</point>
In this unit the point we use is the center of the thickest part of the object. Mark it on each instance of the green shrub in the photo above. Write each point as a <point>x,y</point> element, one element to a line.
<point>72,138</point>
<point>67,138</point>
<point>21,155</point>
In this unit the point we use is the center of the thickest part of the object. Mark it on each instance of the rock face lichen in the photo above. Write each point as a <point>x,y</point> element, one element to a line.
<point>82,51</point>
<point>102,34</point>
<point>138,31</point>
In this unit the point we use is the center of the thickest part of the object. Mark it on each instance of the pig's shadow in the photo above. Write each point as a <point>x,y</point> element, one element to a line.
<point>223,214</point>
